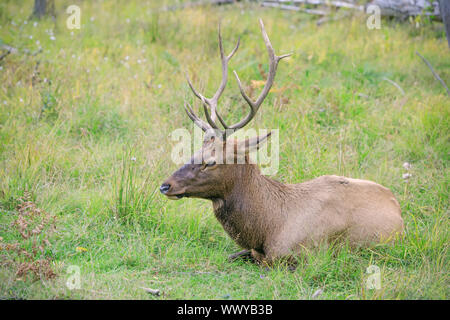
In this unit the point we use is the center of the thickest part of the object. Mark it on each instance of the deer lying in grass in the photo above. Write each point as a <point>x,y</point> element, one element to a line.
<point>269,219</point>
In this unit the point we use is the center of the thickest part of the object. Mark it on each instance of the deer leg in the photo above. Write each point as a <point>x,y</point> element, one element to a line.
<point>241,254</point>
<point>269,256</point>
<point>292,267</point>
<point>261,258</point>
<point>268,261</point>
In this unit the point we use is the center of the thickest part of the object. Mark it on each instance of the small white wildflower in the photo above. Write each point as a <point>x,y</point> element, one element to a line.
<point>45,80</point>
<point>4,102</point>
<point>159,86</point>
<point>35,24</point>
<point>133,159</point>
<point>92,18</point>
<point>31,37</point>
<point>87,70</point>
<point>135,76</point>
<point>21,100</point>
<point>406,176</point>
<point>38,42</point>
<point>71,33</point>
<point>1,67</point>
<point>407,165</point>
<point>128,20</point>
<point>139,61</point>
<point>74,56</point>
<point>52,38</point>
<point>127,58</point>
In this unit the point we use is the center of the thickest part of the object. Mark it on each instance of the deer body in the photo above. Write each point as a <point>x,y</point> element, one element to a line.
<point>272,219</point>
<point>277,220</point>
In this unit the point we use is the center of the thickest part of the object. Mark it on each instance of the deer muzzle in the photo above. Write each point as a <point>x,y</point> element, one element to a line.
<point>165,190</point>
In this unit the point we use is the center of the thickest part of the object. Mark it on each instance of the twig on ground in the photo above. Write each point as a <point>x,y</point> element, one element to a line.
<point>362,95</point>
<point>3,56</point>
<point>13,50</point>
<point>154,292</point>
<point>395,84</point>
<point>434,73</point>
<point>317,293</point>
<point>9,48</point>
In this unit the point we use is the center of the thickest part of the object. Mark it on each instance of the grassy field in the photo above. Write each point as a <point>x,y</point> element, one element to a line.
<point>85,127</point>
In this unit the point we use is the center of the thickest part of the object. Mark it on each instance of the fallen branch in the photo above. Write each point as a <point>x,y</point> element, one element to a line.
<point>406,8</point>
<point>332,18</point>
<point>398,8</point>
<point>294,8</point>
<point>337,4</point>
<point>434,73</point>
<point>198,3</point>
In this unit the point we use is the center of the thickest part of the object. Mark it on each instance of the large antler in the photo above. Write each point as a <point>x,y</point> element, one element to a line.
<point>254,105</point>
<point>212,102</point>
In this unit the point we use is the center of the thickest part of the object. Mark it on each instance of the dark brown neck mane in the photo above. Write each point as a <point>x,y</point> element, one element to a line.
<point>241,209</point>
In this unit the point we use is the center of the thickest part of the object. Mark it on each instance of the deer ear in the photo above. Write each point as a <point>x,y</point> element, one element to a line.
<point>252,144</point>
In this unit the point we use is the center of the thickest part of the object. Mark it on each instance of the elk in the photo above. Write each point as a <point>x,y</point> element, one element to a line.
<point>268,219</point>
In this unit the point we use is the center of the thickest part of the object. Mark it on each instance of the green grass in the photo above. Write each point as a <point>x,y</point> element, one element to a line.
<point>114,90</point>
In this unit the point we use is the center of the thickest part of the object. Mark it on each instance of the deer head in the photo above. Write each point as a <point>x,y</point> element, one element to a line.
<point>213,169</point>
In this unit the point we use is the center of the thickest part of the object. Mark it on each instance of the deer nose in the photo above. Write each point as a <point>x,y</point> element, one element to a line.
<point>164,188</point>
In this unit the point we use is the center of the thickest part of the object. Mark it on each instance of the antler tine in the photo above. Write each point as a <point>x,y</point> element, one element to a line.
<point>212,102</point>
<point>199,122</point>
<point>225,60</point>
<point>254,105</point>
